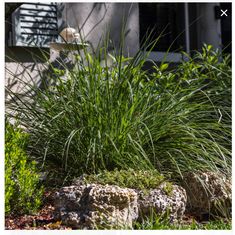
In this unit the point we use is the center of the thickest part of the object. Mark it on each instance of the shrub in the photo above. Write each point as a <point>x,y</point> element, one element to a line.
<point>127,178</point>
<point>119,116</point>
<point>195,120</point>
<point>22,194</point>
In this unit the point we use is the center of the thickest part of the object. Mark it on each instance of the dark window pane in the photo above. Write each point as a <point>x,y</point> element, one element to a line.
<point>166,19</point>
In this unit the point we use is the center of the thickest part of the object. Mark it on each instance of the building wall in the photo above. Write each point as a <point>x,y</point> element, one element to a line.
<point>95,20</point>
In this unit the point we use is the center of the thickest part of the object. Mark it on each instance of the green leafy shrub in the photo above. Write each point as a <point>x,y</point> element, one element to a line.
<point>119,116</point>
<point>127,178</point>
<point>22,194</point>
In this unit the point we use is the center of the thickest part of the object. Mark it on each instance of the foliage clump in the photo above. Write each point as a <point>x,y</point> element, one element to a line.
<point>136,179</point>
<point>22,194</point>
<point>120,116</point>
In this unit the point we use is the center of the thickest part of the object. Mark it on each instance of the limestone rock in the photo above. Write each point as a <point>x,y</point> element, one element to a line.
<point>158,201</point>
<point>96,206</point>
<point>208,190</point>
<point>91,206</point>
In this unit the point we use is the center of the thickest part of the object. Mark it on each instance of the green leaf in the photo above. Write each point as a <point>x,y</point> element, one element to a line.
<point>164,67</point>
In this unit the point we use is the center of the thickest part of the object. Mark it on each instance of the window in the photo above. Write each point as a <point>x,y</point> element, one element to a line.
<point>35,25</point>
<point>169,20</point>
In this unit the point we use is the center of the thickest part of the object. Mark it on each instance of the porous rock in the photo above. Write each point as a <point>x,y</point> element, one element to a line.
<point>96,206</point>
<point>207,190</point>
<point>159,201</point>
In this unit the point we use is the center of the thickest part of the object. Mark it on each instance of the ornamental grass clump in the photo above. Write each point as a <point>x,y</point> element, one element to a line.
<point>97,117</point>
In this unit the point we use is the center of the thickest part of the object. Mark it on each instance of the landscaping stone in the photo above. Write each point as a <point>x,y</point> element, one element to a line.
<point>206,190</point>
<point>159,201</point>
<point>96,206</point>
<point>90,206</point>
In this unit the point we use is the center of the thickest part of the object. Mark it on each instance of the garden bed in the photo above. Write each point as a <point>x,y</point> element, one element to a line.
<point>44,220</point>
<point>132,135</point>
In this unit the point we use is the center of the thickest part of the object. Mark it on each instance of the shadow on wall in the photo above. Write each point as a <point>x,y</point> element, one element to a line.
<point>95,20</point>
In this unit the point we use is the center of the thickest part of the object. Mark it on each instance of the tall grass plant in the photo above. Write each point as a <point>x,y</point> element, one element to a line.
<point>97,116</point>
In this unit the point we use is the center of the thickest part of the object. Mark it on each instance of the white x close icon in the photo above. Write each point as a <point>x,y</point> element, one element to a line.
<point>223,12</point>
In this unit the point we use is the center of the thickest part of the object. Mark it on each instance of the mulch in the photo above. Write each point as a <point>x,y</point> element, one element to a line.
<point>43,220</point>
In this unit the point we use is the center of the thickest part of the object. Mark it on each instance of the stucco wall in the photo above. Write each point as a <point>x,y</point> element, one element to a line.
<point>94,20</point>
